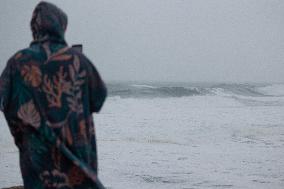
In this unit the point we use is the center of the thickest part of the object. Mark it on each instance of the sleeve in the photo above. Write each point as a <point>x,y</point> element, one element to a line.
<point>96,87</point>
<point>5,86</point>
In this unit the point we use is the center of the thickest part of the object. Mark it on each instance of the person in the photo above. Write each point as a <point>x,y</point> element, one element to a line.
<point>48,93</point>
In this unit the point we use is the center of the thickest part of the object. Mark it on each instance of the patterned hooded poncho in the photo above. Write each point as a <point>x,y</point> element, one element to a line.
<point>48,93</point>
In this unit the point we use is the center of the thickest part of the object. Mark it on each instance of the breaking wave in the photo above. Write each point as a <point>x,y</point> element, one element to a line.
<point>124,90</point>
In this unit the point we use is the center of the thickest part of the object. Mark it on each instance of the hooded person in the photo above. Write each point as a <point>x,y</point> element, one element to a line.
<point>48,93</point>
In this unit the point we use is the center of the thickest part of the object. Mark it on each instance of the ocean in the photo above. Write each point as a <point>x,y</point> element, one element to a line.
<point>182,136</point>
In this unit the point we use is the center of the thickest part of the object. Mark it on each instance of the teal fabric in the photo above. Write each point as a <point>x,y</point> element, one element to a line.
<point>48,93</point>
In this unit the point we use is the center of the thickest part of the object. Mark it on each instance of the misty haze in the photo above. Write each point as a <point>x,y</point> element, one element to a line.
<point>195,90</point>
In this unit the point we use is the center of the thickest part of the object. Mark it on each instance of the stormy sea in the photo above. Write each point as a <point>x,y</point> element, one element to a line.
<point>182,136</point>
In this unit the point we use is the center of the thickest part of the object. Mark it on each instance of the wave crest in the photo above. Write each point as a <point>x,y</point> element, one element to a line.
<point>181,90</point>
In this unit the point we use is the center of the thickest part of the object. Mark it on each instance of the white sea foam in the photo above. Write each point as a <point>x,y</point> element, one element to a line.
<point>143,86</point>
<point>231,139</point>
<point>275,90</point>
<point>191,142</point>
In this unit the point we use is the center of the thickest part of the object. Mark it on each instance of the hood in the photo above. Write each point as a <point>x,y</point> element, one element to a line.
<point>48,21</point>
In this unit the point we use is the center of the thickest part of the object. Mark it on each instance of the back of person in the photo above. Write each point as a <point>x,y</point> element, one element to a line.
<point>48,93</point>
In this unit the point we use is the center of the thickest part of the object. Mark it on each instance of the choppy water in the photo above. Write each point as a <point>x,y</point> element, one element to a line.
<point>156,90</point>
<point>195,136</point>
<point>183,136</point>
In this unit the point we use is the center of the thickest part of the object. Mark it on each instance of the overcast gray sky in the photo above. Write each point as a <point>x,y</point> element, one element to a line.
<point>165,40</point>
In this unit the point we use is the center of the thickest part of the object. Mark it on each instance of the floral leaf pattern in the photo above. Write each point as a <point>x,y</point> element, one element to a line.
<point>18,56</point>
<point>48,93</point>
<point>49,178</point>
<point>77,78</point>
<point>61,58</point>
<point>67,135</point>
<point>55,87</point>
<point>29,114</point>
<point>31,75</point>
